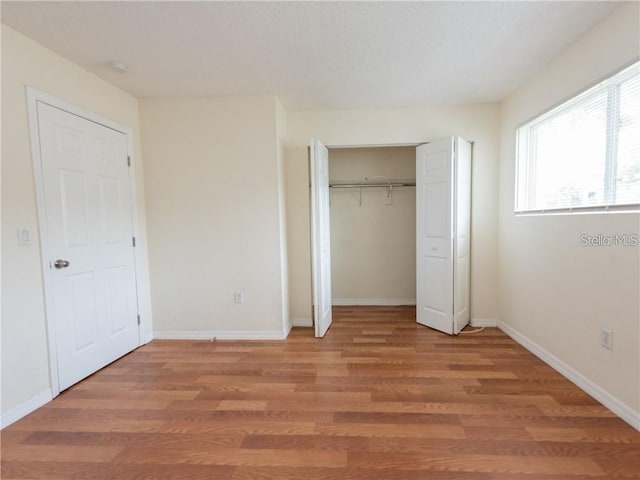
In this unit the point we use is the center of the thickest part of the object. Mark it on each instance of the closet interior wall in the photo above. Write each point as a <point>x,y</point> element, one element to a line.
<point>373,237</point>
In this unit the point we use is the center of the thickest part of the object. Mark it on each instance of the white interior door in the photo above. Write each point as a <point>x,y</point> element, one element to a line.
<point>462,234</point>
<point>89,242</point>
<point>320,237</point>
<point>434,231</point>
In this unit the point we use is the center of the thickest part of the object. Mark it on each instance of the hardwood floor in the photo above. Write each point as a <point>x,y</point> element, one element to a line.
<point>379,397</point>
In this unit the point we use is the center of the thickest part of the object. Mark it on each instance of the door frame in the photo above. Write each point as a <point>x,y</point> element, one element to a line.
<point>34,97</point>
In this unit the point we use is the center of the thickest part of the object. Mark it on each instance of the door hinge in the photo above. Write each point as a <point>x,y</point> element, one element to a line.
<point>128,161</point>
<point>134,241</point>
<point>138,319</point>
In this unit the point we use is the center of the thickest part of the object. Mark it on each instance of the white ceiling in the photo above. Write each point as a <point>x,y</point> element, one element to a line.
<point>312,54</point>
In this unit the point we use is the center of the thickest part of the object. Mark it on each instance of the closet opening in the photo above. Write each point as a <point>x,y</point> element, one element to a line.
<point>372,199</point>
<point>390,225</point>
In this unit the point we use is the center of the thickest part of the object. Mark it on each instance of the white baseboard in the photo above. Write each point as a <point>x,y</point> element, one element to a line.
<point>385,302</point>
<point>146,338</point>
<point>287,329</point>
<point>303,322</point>
<point>621,409</point>
<point>220,335</point>
<point>25,408</point>
<point>484,322</point>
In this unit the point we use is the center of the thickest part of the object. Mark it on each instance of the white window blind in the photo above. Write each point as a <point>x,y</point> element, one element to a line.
<point>585,153</point>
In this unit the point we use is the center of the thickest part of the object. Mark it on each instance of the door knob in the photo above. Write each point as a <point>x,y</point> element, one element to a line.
<point>61,264</point>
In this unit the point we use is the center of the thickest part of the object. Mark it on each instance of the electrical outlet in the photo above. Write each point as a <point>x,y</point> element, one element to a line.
<point>606,338</point>
<point>238,297</point>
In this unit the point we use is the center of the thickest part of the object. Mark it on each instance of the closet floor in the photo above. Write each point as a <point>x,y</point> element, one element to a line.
<point>379,397</point>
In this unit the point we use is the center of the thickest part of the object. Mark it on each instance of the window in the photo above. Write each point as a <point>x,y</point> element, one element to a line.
<point>583,155</point>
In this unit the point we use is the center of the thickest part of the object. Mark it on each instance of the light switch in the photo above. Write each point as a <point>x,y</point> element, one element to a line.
<point>24,236</point>
<point>238,296</point>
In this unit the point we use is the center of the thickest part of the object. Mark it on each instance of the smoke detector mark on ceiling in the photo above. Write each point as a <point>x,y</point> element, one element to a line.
<point>117,66</point>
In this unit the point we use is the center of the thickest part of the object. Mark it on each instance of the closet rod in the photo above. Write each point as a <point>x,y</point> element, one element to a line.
<point>362,185</point>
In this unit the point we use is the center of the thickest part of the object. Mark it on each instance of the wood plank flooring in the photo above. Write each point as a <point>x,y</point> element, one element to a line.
<point>379,397</point>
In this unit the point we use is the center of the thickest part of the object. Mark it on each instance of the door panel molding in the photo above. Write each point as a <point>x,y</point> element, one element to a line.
<point>320,237</point>
<point>34,97</point>
<point>443,229</point>
<point>434,235</point>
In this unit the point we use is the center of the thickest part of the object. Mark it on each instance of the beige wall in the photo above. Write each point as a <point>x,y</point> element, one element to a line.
<point>25,362</point>
<point>214,214</point>
<point>373,245</point>
<point>553,291</point>
<point>479,123</point>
